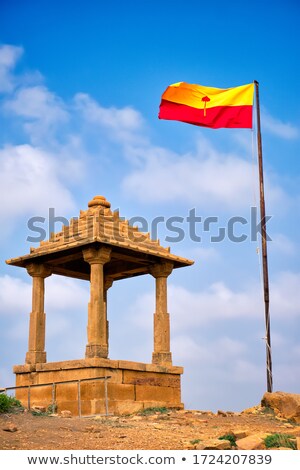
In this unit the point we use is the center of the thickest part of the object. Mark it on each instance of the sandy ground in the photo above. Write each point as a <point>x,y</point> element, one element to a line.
<point>165,431</point>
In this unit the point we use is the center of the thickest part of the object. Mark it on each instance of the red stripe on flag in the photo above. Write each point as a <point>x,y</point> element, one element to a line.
<point>219,116</point>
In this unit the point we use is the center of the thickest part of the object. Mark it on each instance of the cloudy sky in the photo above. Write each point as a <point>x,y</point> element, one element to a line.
<point>80,87</point>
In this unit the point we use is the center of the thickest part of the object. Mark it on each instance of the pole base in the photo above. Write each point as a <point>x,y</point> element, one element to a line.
<point>162,358</point>
<point>36,357</point>
<point>96,350</point>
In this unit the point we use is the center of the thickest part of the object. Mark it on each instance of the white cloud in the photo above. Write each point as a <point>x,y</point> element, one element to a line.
<point>245,371</point>
<point>65,294</point>
<point>202,351</point>
<point>37,103</point>
<point>285,295</point>
<point>213,178</point>
<point>41,110</point>
<point>9,55</point>
<point>63,297</point>
<point>30,182</point>
<point>282,244</point>
<point>124,124</point>
<point>219,302</point>
<point>277,127</point>
<point>61,294</point>
<point>15,296</point>
<point>190,178</point>
<point>286,375</point>
<point>201,253</point>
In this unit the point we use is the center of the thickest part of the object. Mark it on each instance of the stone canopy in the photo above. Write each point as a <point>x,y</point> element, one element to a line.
<point>133,253</point>
<point>101,247</point>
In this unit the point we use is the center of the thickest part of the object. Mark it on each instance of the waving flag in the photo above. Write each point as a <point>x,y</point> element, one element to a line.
<point>208,107</point>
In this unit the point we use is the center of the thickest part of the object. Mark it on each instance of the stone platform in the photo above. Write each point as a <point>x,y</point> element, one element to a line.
<point>133,386</point>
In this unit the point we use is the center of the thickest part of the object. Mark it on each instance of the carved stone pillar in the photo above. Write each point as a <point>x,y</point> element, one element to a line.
<point>108,282</point>
<point>162,353</point>
<point>37,323</point>
<point>97,331</point>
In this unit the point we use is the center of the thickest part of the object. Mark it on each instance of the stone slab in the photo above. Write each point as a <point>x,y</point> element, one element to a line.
<point>151,378</point>
<point>252,442</point>
<point>163,394</point>
<point>133,386</point>
<point>96,362</point>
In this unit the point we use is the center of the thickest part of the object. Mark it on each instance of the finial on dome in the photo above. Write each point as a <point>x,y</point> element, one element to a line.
<point>99,201</point>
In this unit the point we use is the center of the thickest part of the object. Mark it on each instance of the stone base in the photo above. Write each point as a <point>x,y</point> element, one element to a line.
<point>162,358</point>
<point>95,350</point>
<point>32,357</point>
<point>132,386</point>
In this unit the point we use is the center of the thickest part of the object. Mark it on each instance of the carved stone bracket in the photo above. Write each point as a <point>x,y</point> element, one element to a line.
<point>161,269</point>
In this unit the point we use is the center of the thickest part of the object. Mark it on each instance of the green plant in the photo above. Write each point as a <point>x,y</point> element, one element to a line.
<point>229,437</point>
<point>280,440</point>
<point>153,410</point>
<point>8,403</point>
<point>195,441</point>
<point>41,411</point>
<point>52,408</point>
<point>266,410</point>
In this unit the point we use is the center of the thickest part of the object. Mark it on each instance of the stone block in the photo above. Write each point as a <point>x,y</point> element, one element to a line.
<point>163,394</point>
<point>125,407</point>
<point>71,405</point>
<point>22,396</point>
<point>165,369</point>
<point>66,414</point>
<point>121,392</point>
<point>24,369</point>
<point>131,387</point>
<point>151,378</point>
<point>116,375</point>
<point>41,395</point>
<point>162,404</point>
<point>92,407</point>
<point>26,379</point>
<point>252,442</point>
<point>240,434</point>
<point>285,405</point>
<point>68,391</point>
<point>131,365</point>
<point>101,362</point>
<point>92,390</point>
<point>214,444</point>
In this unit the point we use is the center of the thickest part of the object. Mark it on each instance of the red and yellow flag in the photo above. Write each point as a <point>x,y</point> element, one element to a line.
<point>208,107</point>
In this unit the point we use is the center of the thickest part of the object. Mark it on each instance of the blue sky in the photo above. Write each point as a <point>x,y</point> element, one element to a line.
<point>80,87</point>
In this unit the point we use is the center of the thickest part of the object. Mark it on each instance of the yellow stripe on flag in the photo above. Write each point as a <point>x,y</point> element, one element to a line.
<point>201,97</point>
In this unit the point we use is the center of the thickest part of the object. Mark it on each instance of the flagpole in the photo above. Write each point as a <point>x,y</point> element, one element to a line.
<point>264,246</point>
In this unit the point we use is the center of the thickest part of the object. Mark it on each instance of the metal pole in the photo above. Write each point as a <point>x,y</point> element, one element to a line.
<point>28,398</point>
<point>106,397</point>
<point>264,245</point>
<point>53,397</point>
<point>79,398</point>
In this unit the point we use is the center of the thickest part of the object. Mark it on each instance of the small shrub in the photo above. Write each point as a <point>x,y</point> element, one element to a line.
<point>195,441</point>
<point>266,410</point>
<point>8,403</point>
<point>230,438</point>
<point>52,408</point>
<point>280,440</point>
<point>152,411</point>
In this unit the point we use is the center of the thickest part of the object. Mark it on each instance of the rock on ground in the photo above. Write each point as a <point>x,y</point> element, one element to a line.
<point>284,405</point>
